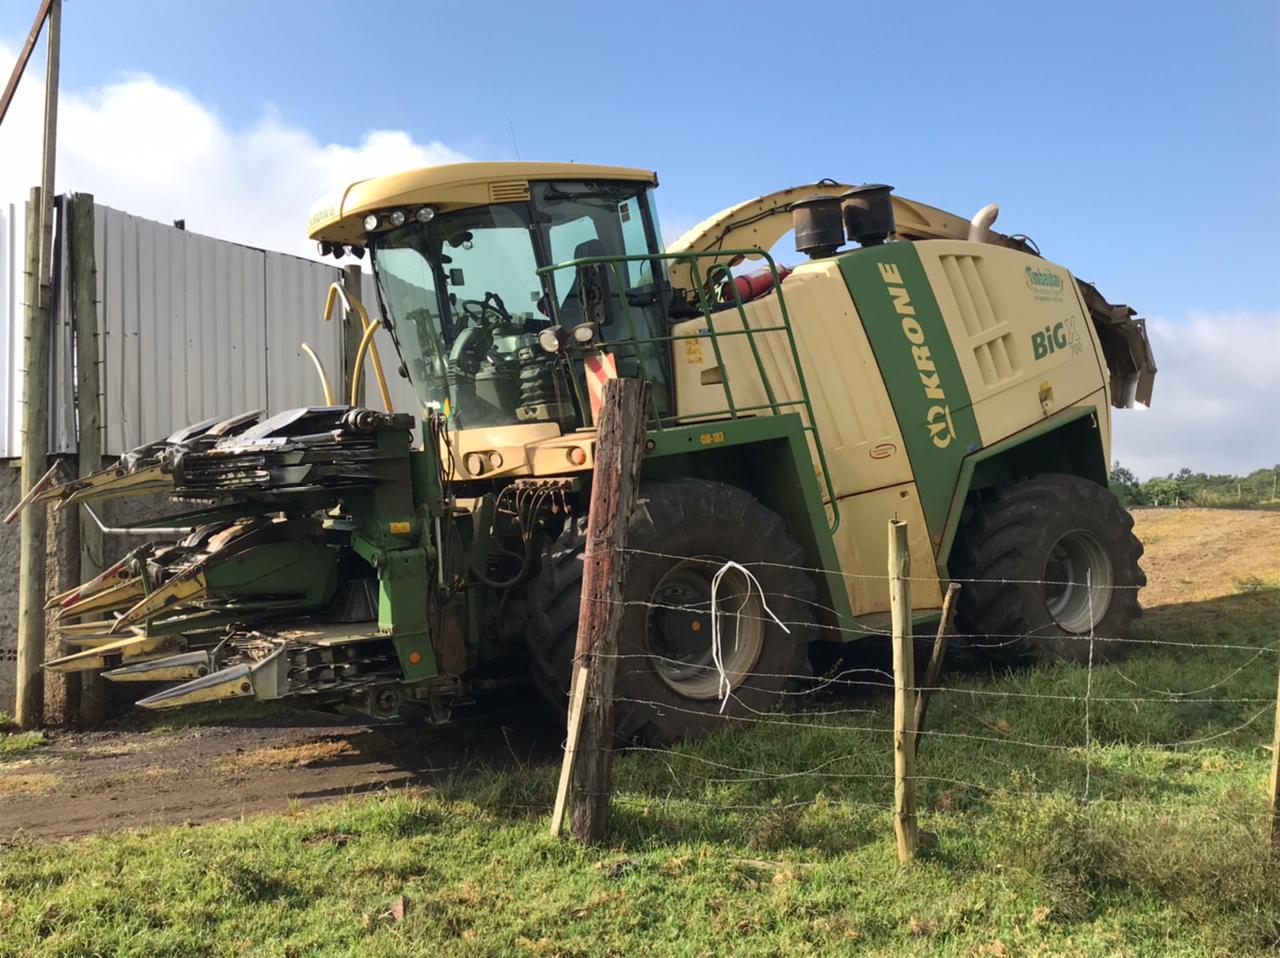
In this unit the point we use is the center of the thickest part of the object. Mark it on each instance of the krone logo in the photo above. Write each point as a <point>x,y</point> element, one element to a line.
<point>938,419</point>
<point>941,429</point>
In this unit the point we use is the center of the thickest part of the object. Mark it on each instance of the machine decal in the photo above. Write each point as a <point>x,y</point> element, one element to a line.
<point>1045,283</point>
<point>914,351</point>
<point>1055,337</point>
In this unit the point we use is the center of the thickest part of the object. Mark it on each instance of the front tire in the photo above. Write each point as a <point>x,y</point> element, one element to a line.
<point>668,687</point>
<point>1053,560</point>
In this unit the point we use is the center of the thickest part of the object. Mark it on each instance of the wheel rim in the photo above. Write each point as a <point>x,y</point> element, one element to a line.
<point>678,627</point>
<point>1078,577</point>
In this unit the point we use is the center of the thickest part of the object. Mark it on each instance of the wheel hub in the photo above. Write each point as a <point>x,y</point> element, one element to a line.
<point>679,629</point>
<point>1078,578</point>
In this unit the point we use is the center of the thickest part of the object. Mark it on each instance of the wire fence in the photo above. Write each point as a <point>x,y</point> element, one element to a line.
<point>1154,724</point>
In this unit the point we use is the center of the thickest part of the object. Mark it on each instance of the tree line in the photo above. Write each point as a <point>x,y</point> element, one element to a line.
<point>1186,488</point>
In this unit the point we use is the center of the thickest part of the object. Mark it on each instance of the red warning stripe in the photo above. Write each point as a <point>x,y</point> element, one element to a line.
<point>600,367</point>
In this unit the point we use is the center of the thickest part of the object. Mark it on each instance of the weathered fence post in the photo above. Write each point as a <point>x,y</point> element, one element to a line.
<point>84,280</point>
<point>904,787</point>
<point>29,704</point>
<point>1275,780</point>
<point>352,329</point>
<point>934,670</point>
<point>589,748</point>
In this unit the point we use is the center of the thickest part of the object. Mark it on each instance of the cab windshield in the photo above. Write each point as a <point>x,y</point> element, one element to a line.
<point>465,301</point>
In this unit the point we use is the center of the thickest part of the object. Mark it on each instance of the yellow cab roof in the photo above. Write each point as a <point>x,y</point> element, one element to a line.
<point>338,217</point>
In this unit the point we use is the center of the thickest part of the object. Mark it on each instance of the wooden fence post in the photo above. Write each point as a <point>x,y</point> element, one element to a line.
<point>934,671</point>
<point>589,749</point>
<point>1275,780</point>
<point>84,280</point>
<point>29,704</point>
<point>904,787</point>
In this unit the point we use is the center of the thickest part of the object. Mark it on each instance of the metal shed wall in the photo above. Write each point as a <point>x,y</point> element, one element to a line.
<point>191,327</point>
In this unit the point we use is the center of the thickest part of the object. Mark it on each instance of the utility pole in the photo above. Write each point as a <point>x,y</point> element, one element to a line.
<point>53,44</point>
<point>24,55</point>
<point>29,706</point>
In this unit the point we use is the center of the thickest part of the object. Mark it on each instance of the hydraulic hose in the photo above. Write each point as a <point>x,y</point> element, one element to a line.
<point>324,380</point>
<point>365,340</point>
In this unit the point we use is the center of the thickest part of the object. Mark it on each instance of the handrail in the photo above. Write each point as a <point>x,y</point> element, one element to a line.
<point>701,289</point>
<point>351,301</point>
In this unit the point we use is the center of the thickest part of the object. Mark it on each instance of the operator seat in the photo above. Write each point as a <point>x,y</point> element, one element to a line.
<point>571,308</point>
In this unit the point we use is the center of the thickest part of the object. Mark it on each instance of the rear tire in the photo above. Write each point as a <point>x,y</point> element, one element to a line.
<point>1033,548</point>
<point>681,533</point>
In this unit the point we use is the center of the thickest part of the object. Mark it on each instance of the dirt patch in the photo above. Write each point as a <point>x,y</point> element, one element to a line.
<point>128,777</point>
<point>306,754</point>
<point>28,783</point>
<point>1198,554</point>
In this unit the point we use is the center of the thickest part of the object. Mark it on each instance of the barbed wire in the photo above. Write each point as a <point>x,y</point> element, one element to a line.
<point>820,683</point>
<point>791,699</point>
<point>761,563</point>
<point>1006,639</point>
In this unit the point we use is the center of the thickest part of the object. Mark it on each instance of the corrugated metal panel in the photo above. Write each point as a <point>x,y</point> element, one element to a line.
<point>296,290</point>
<point>62,369</point>
<point>191,327</point>
<point>186,326</point>
<point>11,216</point>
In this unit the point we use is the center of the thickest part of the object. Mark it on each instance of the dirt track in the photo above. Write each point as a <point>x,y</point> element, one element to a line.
<point>128,777</point>
<point>85,782</point>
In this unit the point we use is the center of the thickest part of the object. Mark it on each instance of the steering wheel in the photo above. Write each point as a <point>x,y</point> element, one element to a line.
<point>485,312</point>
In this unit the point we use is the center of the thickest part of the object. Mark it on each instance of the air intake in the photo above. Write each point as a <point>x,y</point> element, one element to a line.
<point>868,213</point>
<point>819,230</point>
<point>512,191</point>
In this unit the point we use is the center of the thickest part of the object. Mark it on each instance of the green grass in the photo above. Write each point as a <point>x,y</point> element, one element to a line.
<point>15,744</point>
<point>1166,857</point>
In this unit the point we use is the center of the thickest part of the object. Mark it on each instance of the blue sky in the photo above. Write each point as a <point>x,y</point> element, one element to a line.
<point>1138,143</point>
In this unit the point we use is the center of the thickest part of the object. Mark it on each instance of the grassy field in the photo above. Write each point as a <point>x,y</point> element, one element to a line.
<point>1148,838</point>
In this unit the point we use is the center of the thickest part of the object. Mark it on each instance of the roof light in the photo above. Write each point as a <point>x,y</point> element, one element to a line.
<point>475,463</point>
<point>396,218</point>
<point>425,214</point>
<point>371,222</point>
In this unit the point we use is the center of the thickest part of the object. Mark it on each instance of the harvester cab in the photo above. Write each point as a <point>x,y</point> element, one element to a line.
<point>959,380</point>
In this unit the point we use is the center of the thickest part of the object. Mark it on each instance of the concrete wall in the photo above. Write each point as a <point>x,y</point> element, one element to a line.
<point>10,477</point>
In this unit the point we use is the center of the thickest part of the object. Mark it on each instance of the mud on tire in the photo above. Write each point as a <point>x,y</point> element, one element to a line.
<point>1033,542</point>
<point>681,533</point>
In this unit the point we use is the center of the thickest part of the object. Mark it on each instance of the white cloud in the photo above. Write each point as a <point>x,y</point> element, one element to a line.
<point>1213,406</point>
<point>157,151</point>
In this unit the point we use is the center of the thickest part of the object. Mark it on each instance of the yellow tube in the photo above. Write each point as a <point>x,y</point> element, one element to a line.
<point>351,302</point>
<point>365,341</point>
<point>324,380</point>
